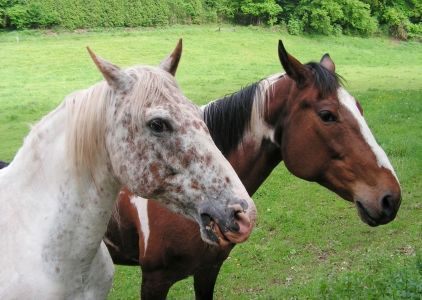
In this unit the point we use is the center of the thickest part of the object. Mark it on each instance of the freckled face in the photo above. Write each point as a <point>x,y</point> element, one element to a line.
<point>166,153</point>
<point>175,156</point>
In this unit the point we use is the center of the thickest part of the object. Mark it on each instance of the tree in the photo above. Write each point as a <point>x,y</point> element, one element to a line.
<point>263,9</point>
<point>323,16</point>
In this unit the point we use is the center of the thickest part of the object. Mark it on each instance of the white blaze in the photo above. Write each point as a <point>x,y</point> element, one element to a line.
<point>350,103</point>
<point>141,205</point>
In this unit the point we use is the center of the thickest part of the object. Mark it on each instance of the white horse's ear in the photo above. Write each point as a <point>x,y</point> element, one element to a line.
<point>171,62</point>
<point>113,74</point>
<point>328,63</point>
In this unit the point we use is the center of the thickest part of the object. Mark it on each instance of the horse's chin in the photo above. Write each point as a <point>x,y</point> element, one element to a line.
<point>223,240</point>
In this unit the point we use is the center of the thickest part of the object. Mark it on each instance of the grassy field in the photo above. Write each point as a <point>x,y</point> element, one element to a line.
<point>308,243</point>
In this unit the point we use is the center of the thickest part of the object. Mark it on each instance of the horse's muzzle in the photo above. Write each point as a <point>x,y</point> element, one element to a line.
<point>232,225</point>
<point>388,208</point>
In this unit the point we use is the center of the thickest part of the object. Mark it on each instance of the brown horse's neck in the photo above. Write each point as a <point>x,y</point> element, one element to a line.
<point>252,166</point>
<point>259,150</point>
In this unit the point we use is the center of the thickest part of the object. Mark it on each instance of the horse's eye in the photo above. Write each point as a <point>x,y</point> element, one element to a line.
<point>327,116</point>
<point>158,126</point>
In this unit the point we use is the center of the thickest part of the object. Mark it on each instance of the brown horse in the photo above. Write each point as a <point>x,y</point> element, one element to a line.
<point>303,117</point>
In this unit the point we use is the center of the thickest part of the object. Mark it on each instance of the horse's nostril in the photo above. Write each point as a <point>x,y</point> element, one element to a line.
<point>238,215</point>
<point>241,221</point>
<point>387,204</point>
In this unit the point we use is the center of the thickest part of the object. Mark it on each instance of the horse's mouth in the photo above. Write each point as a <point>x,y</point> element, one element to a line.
<point>366,217</point>
<point>213,232</point>
<point>385,215</point>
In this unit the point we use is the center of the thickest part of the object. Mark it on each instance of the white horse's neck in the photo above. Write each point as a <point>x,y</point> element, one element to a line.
<point>66,216</point>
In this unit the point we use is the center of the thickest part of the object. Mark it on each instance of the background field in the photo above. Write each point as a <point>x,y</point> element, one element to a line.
<point>308,242</point>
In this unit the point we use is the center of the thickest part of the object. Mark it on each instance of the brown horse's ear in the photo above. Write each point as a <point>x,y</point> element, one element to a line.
<point>171,62</point>
<point>291,65</point>
<point>114,76</point>
<point>328,63</point>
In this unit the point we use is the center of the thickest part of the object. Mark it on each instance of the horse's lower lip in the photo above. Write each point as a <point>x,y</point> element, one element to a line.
<point>220,234</point>
<point>364,215</point>
<point>213,231</point>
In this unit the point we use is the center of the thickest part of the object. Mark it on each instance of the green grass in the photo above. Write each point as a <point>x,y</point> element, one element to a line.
<point>308,243</point>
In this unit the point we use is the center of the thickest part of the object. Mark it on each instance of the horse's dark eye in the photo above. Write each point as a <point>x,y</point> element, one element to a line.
<point>158,126</point>
<point>327,116</point>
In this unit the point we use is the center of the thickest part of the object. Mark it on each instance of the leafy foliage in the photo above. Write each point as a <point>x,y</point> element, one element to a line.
<point>295,26</point>
<point>21,15</point>
<point>323,16</point>
<point>266,9</point>
<point>403,18</point>
<point>400,18</point>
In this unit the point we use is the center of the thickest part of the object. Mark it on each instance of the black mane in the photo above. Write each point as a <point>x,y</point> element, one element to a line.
<point>227,118</point>
<point>325,80</point>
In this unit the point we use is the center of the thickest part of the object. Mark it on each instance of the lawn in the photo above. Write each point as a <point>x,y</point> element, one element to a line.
<point>308,243</point>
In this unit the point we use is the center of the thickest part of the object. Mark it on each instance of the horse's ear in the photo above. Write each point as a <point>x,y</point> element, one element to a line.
<point>114,76</point>
<point>291,65</point>
<point>328,63</point>
<point>171,62</point>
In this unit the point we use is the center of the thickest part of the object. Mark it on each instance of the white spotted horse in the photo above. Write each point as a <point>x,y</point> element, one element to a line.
<point>303,117</point>
<point>136,129</point>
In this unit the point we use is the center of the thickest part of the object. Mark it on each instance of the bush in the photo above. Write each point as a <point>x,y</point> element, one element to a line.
<point>337,30</point>
<point>321,21</point>
<point>18,16</point>
<point>37,18</point>
<point>400,19</point>
<point>295,26</point>
<point>322,15</point>
<point>357,16</point>
<point>399,24</point>
<point>414,30</point>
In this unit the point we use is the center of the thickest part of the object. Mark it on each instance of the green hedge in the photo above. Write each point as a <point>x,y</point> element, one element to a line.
<point>72,14</point>
<point>400,18</point>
